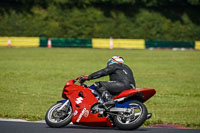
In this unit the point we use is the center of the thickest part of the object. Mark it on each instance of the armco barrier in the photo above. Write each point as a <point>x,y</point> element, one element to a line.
<point>168,44</point>
<point>63,42</point>
<point>197,45</point>
<point>20,41</point>
<point>119,43</point>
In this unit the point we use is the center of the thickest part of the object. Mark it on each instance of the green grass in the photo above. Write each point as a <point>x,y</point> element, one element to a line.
<point>32,79</point>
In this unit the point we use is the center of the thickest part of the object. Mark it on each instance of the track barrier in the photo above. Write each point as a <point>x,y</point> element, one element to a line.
<point>118,43</point>
<point>108,43</point>
<point>20,41</point>
<point>63,42</point>
<point>197,45</point>
<point>169,44</point>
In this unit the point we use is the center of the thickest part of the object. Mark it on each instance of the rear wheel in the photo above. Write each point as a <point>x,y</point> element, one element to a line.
<point>133,118</point>
<point>56,119</point>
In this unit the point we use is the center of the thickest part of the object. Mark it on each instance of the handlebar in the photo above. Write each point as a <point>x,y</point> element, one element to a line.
<point>81,83</point>
<point>78,78</point>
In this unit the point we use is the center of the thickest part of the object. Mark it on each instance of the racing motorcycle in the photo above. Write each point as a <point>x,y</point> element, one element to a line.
<point>82,107</point>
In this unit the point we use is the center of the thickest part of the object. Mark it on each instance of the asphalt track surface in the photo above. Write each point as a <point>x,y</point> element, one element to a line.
<point>33,127</point>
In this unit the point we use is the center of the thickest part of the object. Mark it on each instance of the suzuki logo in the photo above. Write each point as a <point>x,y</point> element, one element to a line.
<point>82,113</point>
<point>79,100</point>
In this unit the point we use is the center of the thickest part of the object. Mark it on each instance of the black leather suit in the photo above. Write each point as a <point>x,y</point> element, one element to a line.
<point>121,78</point>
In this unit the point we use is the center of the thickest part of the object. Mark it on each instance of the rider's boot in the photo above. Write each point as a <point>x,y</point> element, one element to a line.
<point>106,96</point>
<point>108,101</point>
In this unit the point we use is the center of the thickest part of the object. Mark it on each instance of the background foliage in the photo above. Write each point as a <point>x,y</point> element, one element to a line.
<point>146,19</point>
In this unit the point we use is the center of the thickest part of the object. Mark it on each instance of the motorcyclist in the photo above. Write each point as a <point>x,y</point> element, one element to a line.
<point>121,78</point>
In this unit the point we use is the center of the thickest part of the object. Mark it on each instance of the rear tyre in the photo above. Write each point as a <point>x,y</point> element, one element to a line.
<point>57,119</point>
<point>131,120</point>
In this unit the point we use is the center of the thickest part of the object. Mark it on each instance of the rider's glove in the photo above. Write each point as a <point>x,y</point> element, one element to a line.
<point>82,79</point>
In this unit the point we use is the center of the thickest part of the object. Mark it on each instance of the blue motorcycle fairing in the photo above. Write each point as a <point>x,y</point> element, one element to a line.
<point>61,101</point>
<point>118,105</point>
<point>125,104</point>
<point>122,105</point>
<point>92,87</point>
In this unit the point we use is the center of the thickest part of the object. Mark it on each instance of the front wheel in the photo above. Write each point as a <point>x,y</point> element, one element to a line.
<point>133,118</point>
<point>61,118</point>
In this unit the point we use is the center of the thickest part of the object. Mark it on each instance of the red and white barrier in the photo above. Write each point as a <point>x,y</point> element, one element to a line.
<point>9,43</point>
<point>111,43</point>
<point>49,43</point>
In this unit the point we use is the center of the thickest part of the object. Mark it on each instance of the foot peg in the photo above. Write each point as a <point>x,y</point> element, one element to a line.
<point>149,115</point>
<point>108,105</point>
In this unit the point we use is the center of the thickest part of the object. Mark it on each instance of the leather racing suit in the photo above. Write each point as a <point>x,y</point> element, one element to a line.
<point>121,78</point>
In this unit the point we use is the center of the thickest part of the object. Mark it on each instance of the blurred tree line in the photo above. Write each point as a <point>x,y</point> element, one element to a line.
<point>146,19</point>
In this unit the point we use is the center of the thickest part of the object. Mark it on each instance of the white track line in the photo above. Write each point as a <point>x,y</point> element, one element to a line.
<point>19,120</point>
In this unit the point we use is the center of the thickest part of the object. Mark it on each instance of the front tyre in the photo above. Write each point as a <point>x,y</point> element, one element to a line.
<point>57,119</point>
<point>133,118</point>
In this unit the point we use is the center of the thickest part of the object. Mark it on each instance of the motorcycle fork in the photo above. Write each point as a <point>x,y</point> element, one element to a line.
<point>64,104</point>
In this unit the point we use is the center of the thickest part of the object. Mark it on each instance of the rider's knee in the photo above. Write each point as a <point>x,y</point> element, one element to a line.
<point>97,85</point>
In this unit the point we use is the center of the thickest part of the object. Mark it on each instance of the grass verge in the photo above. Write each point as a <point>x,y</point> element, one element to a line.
<point>31,80</point>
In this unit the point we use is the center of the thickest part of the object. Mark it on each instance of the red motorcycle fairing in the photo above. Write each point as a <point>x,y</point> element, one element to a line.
<point>82,100</point>
<point>146,93</point>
